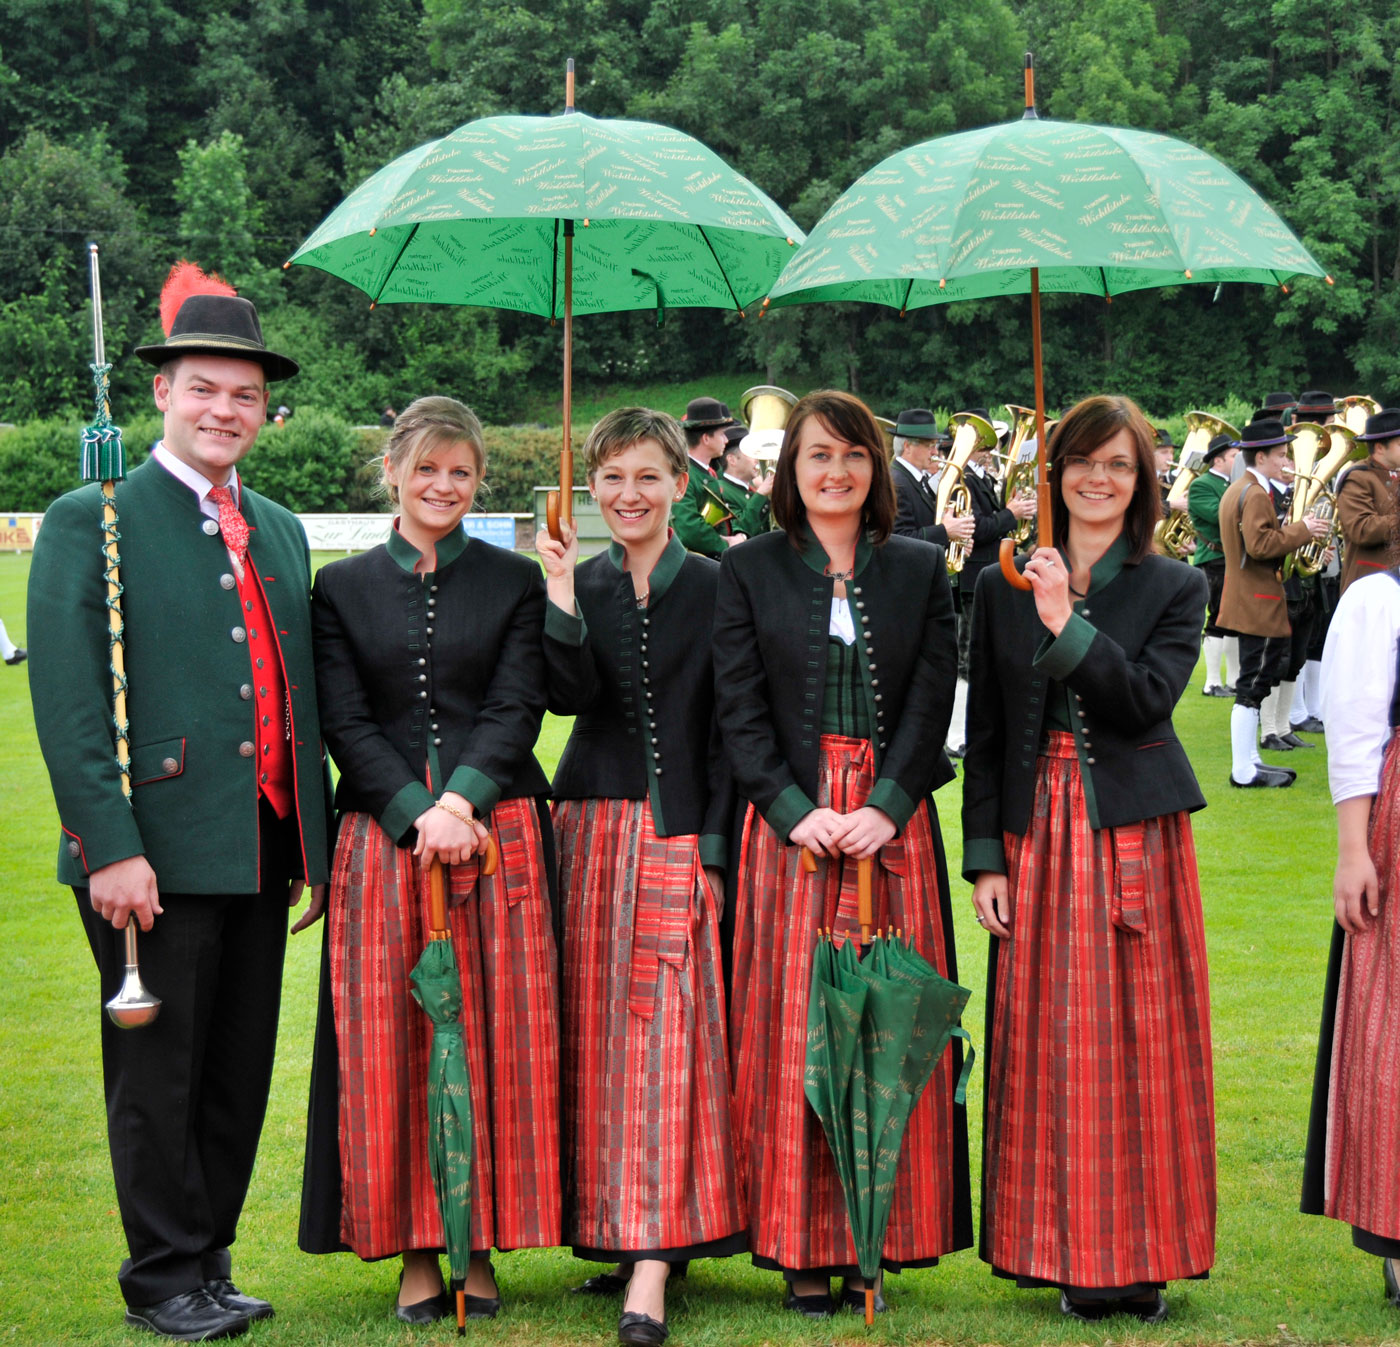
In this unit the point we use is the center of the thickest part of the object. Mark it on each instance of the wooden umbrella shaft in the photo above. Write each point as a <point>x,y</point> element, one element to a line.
<point>566,452</point>
<point>1043,523</point>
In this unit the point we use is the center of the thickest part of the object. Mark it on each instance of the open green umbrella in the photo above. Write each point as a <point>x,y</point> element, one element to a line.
<point>437,987</point>
<point>556,216</point>
<point>1035,205</point>
<point>875,1031</point>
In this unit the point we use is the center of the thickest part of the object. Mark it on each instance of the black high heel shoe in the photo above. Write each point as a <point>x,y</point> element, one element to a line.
<point>424,1311</point>
<point>482,1307</point>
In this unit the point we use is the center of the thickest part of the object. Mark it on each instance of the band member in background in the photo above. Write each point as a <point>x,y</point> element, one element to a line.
<point>746,489</point>
<point>227,820</point>
<point>1099,1140</point>
<point>706,422</point>
<point>1352,1166</point>
<point>1222,648</point>
<point>1366,498</point>
<point>1165,459</point>
<point>642,814</point>
<point>429,660</point>
<point>1253,603</point>
<point>916,496</point>
<point>835,657</point>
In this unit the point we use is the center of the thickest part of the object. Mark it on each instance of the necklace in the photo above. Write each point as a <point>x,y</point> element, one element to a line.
<point>642,598</point>
<point>1078,593</point>
<point>840,576</point>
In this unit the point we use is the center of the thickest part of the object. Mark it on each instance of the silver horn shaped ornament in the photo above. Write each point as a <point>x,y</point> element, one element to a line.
<point>133,1006</point>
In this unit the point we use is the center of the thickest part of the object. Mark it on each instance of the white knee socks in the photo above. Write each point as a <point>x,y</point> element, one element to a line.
<point>1215,653</point>
<point>1232,661</point>
<point>1244,742</point>
<point>957,728</point>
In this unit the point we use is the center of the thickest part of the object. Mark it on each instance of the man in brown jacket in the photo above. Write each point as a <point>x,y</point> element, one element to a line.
<point>1255,545</point>
<point>1366,498</point>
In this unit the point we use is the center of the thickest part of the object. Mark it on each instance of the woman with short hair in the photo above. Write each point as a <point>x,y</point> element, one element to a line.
<point>1099,1136</point>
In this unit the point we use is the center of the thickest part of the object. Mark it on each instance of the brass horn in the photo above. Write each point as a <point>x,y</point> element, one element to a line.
<point>971,433</point>
<point>887,428</point>
<point>1176,532</point>
<point>133,1006</point>
<point>1019,474</point>
<point>1318,452</point>
<point>1353,411</point>
<point>766,407</point>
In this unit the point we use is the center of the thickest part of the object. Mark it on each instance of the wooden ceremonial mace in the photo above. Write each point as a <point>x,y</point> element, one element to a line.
<point>1043,538</point>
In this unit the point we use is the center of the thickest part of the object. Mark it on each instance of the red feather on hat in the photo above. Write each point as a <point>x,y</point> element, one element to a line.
<point>186,279</point>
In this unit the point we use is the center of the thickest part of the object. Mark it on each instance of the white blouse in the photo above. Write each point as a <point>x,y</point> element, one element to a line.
<point>1358,684</point>
<point>842,625</point>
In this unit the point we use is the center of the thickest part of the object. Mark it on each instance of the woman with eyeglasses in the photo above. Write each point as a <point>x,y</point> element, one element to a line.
<point>1099,1138</point>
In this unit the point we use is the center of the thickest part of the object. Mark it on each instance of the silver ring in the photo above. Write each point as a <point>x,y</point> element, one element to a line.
<point>981,921</point>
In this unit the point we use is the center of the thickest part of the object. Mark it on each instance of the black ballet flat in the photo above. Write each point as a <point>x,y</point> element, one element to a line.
<point>1392,1285</point>
<point>424,1311</point>
<point>1152,1311</point>
<point>603,1284</point>
<point>853,1299</point>
<point>1085,1311</point>
<point>818,1306</point>
<point>641,1330</point>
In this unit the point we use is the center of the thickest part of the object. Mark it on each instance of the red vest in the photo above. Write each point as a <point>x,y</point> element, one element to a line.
<point>272,740</point>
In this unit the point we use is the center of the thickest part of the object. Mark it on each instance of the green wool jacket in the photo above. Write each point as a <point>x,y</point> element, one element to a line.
<point>752,514</point>
<point>686,518</point>
<point>190,704</point>
<point>1203,507</point>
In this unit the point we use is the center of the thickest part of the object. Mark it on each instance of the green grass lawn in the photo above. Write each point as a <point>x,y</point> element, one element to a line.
<point>1279,1278</point>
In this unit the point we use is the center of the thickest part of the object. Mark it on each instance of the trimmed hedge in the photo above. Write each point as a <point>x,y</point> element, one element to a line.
<point>315,463</point>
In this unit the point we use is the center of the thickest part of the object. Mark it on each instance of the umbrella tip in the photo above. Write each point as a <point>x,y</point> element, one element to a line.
<point>1284,288</point>
<point>943,283</point>
<point>373,304</point>
<point>1329,280</point>
<point>287,264</point>
<point>791,244</point>
<point>1188,273</point>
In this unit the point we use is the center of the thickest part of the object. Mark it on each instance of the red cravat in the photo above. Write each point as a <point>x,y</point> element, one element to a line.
<point>231,523</point>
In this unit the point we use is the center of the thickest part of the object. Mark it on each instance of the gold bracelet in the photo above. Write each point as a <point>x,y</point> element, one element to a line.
<point>455,812</point>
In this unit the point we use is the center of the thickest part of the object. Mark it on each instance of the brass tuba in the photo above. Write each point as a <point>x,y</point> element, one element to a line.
<point>766,407</point>
<point>1019,474</point>
<point>1353,411</point>
<point>970,433</point>
<point>1318,452</point>
<point>1176,531</point>
<point>887,428</point>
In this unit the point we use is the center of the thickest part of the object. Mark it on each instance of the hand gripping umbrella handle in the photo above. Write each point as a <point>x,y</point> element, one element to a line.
<point>437,888</point>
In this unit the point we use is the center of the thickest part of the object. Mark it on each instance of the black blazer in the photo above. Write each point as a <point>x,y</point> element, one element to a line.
<point>640,683</point>
<point>992,523</point>
<point>443,670</point>
<point>772,616</point>
<point>916,516</point>
<point>1125,657</point>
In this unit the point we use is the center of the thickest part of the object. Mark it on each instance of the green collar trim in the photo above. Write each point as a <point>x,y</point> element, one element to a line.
<point>815,557</point>
<point>668,565</point>
<point>407,557</point>
<point>1105,570</point>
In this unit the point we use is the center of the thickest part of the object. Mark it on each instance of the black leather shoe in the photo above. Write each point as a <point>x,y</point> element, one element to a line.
<point>1392,1286</point>
<point>641,1330</point>
<point>425,1311</point>
<point>1152,1311</point>
<point>1312,725</point>
<point>224,1292</point>
<point>1272,743</point>
<point>854,1299</point>
<point>956,753</point>
<point>194,1316</point>
<point>20,655</point>
<point>816,1306</point>
<point>604,1284</point>
<point>1219,690</point>
<point>1293,741</point>
<point>1085,1311</point>
<point>1265,776</point>
<point>476,1307</point>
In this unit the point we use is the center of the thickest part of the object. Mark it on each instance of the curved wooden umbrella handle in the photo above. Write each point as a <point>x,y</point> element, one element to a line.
<point>437,901</point>
<point>551,516</point>
<point>491,857</point>
<point>1006,555</point>
<point>809,862</point>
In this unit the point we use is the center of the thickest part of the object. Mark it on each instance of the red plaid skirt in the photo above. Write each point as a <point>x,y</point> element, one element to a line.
<point>504,943</point>
<point>797,1215</point>
<point>1099,1145</point>
<point>646,1071</point>
<point>1363,1114</point>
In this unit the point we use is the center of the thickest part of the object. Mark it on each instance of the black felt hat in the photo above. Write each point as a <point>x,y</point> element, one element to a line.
<point>1384,425</point>
<point>1278,402</point>
<point>916,423</point>
<point>225,325</point>
<point>1316,403</point>
<point>706,414</point>
<point>1264,434</point>
<point>1218,446</point>
<point>1164,438</point>
<point>734,433</point>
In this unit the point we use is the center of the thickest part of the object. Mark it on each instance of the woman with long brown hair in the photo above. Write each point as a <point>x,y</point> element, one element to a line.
<point>1098,1143</point>
<point>835,653</point>
<point>428,658</point>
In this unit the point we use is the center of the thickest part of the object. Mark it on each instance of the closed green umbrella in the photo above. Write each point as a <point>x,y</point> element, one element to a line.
<point>1036,205</point>
<point>437,987</point>
<point>875,1031</point>
<point>556,216</point>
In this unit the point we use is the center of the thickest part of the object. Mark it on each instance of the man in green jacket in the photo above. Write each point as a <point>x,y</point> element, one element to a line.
<point>746,492</point>
<point>705,422</point>
<point>227,817</point>
<point>1203,508</point>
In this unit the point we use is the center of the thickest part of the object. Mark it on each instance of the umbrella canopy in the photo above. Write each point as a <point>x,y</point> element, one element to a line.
<point>1097,210</point>
<point>437,987</point>
<point>478,217</point>
<point>875,1032</point>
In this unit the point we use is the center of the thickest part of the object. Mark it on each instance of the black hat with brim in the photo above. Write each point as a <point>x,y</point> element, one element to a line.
<point>1279,402</point>
<point>1264,435</point>
<point>1218,445</point>
<point>1384,425</point>
<point>706,414</point>
<point>734,433</point>
<point>1316,403</point>
<point>222,325</point>
<point>916,423</point>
